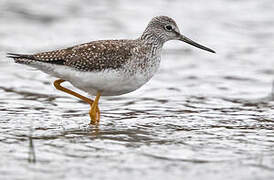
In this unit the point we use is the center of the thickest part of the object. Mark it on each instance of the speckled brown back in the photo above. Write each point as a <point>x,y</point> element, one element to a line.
<point>111,54</point>
<point>93,56</point>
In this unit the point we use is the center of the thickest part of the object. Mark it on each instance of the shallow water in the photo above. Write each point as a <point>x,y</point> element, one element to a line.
<point>203,116</point>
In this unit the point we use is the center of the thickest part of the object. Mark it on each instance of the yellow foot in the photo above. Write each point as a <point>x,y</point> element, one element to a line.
<point>94,114</point>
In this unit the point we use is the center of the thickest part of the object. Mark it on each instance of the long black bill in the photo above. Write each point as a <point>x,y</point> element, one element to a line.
<point>189,41</point>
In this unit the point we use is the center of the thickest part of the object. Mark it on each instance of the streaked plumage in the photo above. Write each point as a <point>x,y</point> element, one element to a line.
<point>124,65</point>
<point>111,67</point>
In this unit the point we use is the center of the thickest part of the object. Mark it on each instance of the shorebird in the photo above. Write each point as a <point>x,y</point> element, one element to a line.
<point>108,67</point>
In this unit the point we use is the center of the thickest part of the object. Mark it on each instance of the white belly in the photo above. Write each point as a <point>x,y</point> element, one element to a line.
<point>108,82</point>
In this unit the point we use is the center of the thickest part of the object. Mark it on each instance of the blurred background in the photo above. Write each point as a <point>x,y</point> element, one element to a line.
<point>203,115</point>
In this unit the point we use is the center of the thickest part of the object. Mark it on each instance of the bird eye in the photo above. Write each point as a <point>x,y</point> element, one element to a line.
<point>168,27</point>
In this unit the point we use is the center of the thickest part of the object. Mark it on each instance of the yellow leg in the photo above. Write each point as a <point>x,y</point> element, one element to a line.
<point>57,85</point>
<point>94,112</point>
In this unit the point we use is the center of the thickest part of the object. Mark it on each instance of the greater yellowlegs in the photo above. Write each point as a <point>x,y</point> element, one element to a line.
<point>108,67</point>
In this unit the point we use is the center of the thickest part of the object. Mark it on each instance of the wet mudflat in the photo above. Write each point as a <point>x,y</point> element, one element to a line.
<point>203,116</point>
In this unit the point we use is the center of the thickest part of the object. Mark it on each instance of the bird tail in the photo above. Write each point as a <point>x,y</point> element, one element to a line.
<point>21,58</point>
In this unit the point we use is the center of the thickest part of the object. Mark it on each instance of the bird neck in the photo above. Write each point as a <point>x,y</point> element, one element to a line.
<point>152,37</point>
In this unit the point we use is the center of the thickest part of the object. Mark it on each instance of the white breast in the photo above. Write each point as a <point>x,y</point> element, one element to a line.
<point>114,82</point>
<point>109,82</point>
